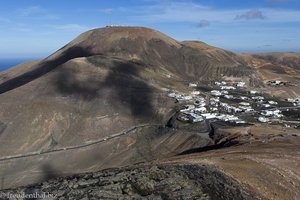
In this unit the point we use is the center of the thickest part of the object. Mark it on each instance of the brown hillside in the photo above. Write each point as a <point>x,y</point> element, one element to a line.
<point>100,102</point>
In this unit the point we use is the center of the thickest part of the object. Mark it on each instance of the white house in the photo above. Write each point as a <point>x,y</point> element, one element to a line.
<point>226,118</point>
<point>246,108</point>
<point>195,92</point>
<point>278,115</point>
<point>236,110</point>
<point>275,82</point>
<point>209,115</point>
<point>227,88</point>
<point>195,118</point>
<point>297,104</point>
<point>224,92</point>
<point>244,98</point>
<point>258,98</point>
<point>291,100</point>
<point>266,105</point>
<point>217,99</point>
<point>244,103</point>
<point>268,113</point>
<point>214,109</point>
<point>223,104</point>
<point>173,94</point>
<point>192,85</point>
<point>215,93</point>
<point>232,118</point>
<point>183,117</point>
<point>201,104</point>
<point>186,98</point>
<point>228,96</point>
<point>240,84</point>
<point>263,119</point>
<point>272,102</point>
<point>200,109</point>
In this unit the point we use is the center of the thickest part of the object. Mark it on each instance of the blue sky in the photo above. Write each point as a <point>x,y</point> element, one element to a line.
<point>37,28</point>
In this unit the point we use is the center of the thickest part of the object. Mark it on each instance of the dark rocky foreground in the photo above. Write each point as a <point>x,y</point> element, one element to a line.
<point>156,182</point>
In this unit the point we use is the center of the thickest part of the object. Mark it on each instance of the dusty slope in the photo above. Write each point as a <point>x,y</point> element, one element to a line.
<point>270,170</point>
<point>66,100</point>
<point>291,60</point>
<point>17,70</point>
<point>263,166</point>
<point>105,82</point>
<point>154,49</point>
<point>277,66</point>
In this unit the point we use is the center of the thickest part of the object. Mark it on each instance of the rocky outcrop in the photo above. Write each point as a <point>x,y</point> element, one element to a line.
<point>201,182</point>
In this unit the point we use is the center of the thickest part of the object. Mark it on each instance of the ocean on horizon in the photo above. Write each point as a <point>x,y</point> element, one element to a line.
<point>6,63</point>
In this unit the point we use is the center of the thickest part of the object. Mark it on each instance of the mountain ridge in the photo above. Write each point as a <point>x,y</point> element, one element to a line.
<point>106,85</point>
<point>152,47</point>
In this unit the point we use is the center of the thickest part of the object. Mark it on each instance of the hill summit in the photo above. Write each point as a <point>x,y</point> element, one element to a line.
<point>186,60</point>
<point>105,100</point>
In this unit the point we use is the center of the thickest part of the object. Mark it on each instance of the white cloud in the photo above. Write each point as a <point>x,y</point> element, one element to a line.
<point>107,10</point>
<point>49,16</point>
<point>36,12</point>
<point>181,12</point>
<point>22,29</point>
<point>25,12</point>
<point>203,23</point>
<point>116,10</point>
<point>71,27</point>
<point>251,15</point>
<point>192,12</point>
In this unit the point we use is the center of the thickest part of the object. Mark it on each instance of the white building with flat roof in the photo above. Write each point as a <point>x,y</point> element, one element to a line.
<point>216,93</point>
<point>272,102</point>
<point>227,88</point>
<point>195,92</point>
<point>244,103</point>
<point>195,118</point>
<point>263,119</point>
<point>192,85</point>
<point>200,109</point>
<point>209,115</point>
<point>240,84</point>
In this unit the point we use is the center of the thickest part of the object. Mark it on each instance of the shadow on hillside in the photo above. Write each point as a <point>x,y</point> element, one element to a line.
<point>35,192</point>
<point>221,145</point>
<point>127,90</point>
<point>130,91</point>
<point>42,68</point>
<point>49,172</point>
<point>68,83</point>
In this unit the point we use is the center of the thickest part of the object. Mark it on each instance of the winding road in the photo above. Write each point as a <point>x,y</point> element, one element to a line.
<point>89,143</point>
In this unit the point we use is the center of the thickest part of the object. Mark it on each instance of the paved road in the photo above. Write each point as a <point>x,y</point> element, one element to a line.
<point>89,143</point>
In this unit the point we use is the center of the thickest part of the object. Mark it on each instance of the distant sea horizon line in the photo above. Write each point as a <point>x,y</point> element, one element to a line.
<point>6,63</point>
